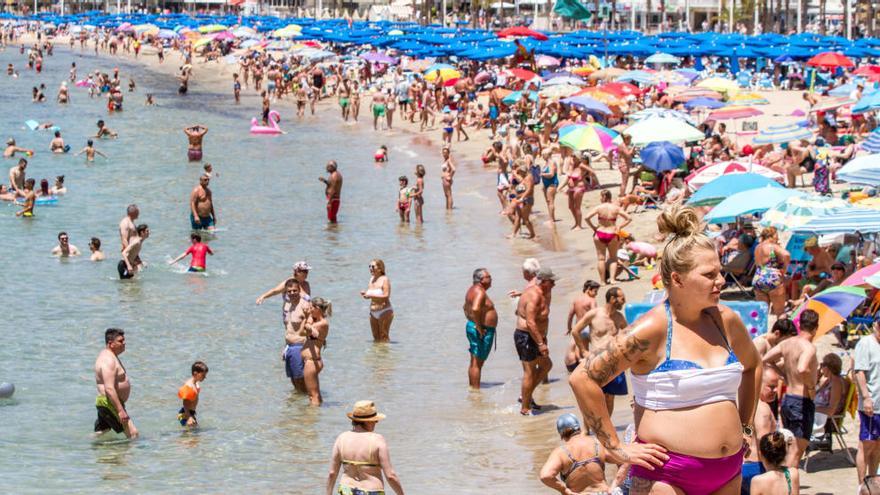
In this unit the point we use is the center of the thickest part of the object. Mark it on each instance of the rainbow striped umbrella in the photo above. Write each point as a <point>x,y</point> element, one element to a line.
<point>797,211</point>
<point>734,112</point>
<point>581,137</point>
<point>834,305</point>
<point>861,277</point>
<point>832,103</point>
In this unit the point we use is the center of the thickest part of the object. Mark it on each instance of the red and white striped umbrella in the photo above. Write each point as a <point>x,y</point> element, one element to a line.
<point>708,173</point>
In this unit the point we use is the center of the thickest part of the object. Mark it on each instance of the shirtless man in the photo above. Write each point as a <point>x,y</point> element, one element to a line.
<point>104,131</point>
<point>782,329</point>
<point>333,190</point>
<point>90,151</point>
<point>296,310</point>
<point>605,323</point>
<point>820,257</point>
<point>201,206</point>
<point>127,229</point>
<point>481,322</point>
<point>579,307</point>
<point>195,134</point>
<point>113,387</point>
<point>12,149</point>
<point>530,337</point>
<point>131,260</point>
<point>765,423</point>
<point>796,357</point>
<point>625,153</point>
<point>64,248</point>
<point>57,144</point>
<point>17,177</point>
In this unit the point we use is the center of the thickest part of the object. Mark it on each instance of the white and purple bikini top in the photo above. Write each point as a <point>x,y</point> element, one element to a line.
<point>678,383</point>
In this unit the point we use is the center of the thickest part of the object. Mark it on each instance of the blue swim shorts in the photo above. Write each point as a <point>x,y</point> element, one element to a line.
<point>480,347</point>
<point>293,363</point>
<point>617,386</point>
<point>204,222</point>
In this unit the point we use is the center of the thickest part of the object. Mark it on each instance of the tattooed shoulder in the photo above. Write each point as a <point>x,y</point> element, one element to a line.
<point>605,361</point>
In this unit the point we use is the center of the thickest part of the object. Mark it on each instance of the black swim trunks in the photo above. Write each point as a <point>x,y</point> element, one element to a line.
<point>526,346</point>
<point>123,270</point>
<point>108,419</point>
<point>798,414</point>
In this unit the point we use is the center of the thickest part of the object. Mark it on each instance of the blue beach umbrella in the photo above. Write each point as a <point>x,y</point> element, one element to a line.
<point>872,144</point>
<point>727,185</point>
<point>516,95</point>
<point>661,156</point>
<point>703,102</point>
<point>587,103</point>
<point>750,201</point>
<point>662,58</point>
<point>782,134</point>
<point>842,220</point>
<point>862,170</point>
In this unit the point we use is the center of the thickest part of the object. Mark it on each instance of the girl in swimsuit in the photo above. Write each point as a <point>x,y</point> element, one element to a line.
<point>316,328</point>
<point>778,478</point>
<point>772,262</point>
<point>550,180</point>
<point>693,412</point>
<point>524,201</point>
<point>578,465</point>
<point>605,234</point>
<point>418,193</point>
<point>447,173</point>
<point>379,293</point>
<point>576,187</point>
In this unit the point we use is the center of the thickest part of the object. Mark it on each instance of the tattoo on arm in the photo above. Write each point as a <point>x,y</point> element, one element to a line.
<point>603,363</point>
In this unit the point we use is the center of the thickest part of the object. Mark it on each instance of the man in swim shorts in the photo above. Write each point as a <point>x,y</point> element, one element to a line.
<point>481,322</point>
<point>332,190</point>
<point>131,260</point>
<point>127,228</point>
<point>605,324</point>
<point>195,134</point>
<point>17,177</point>
<point>530,337</point>
<point>796,357</point>
<point>378,108</point>
<point>201,206</point>
<point>294,334</point>
<point>114,387</point>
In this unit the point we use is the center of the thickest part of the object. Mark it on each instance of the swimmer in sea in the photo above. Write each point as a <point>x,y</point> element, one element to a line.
<point>300,273</point>
<point>131,261</point>
<point>148,102</point>
<point>199,252</point>
<point>114,387</point>
<point>12,149</point>
<point>59,187</point>
<point>63,95</point>
<point>95,248</point>
<point>379,293</point>
<point>64,249</point>
<point>195,134</point>
<point>30,198</point>
<point>189,394</point>
<point>104,131</point>
<point>90,151</point>
<point>57,145</point>
<point>5,195</point>
<point>17,177</point>
<point>201,205</point>
<point>209,171</point>
<point>296,310</point>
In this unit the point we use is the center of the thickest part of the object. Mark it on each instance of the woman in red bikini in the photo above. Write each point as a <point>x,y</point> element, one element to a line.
<point>605,234</point>
<point>576,185</point>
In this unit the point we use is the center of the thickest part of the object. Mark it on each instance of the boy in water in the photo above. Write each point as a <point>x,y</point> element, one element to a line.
<point>209,171</point>
<point>30,198</point>
<point>90,151</point>
<point>189,393</point>
<point>199,252</point>
<point>404,199</point>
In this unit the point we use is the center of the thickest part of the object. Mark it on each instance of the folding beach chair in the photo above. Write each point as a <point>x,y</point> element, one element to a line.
<point>834,428</point>
<point>740,270</point>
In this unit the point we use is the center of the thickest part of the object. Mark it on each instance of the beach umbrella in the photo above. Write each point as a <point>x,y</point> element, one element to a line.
<point>639,76</point>
<point>748,99</point>
<point>663,129</point>
<point>860,277</point>
<point>872,144</point>
<point>708,173</point>
<point>203,41</point>
<point>606,74</point>
<point>223,36</point>
<point>434,67</point>
<point>547,61</point>
<point>521,31</point>
<point>734,112</point>
<point>782,134</point>
<point>211,28</point>
<point>689,94</point>
<point>660,112</point>
<point>672,77</point>
<point>703,102</point>
<point>868,102</point>
<point>586,103</point>
<point>395,32</point>
<point>797,211</point>
<point>249,43</point>
<point>442,74</point>
<point>523,74</point>
<point>599,95</point>
<point>662,58</point>
<point>661,156</point>
<point>166,34</point>
<point>558,91</point>
<point>834,306</point>
<point>830,60</point>
<point>861,170</point>
<point>583,71</point>
<point>379,58</point>
<point>725,186</point>
<point>720,85</point>
<point>515,96</point>
<point>866,70</point>
<point>572,81</point>
<point>748,202</point>
<point>831,103</point>
<point>581,137</point>
<point>620,89</point>
<point>845,219</point>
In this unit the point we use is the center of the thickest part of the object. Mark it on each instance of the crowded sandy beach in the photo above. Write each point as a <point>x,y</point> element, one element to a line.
<point>665,262</point>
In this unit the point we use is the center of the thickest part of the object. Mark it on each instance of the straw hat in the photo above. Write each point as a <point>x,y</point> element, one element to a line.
<point>365,410</point>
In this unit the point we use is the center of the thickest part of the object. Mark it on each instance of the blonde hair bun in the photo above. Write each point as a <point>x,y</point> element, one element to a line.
<point>680,221</point>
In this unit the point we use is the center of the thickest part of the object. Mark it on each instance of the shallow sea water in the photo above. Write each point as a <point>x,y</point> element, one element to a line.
<point>256,434</point>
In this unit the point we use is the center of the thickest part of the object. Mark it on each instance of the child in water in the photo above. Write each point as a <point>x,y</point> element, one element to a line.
<point>381,154</point>
<point>199,252</point>
<point>189,393</point>
<point>404,198</point>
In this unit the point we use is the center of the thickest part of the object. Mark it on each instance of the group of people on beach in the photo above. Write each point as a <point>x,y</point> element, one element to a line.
<point>711,414</point>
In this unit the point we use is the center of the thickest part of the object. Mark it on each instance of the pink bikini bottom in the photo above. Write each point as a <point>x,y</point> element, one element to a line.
<point>694,475</point>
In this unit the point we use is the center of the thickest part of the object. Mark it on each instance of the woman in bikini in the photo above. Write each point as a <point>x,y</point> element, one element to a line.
<point>578,465</point>
<point>316,328</point>
<point>625,153</point>
<point>695,410</point>
<point>363,456</point>
<point>447,173</point>
<point>524,201</point>
<point>605,234</point>
<point>771,261</point>
<point>550,180</point>
<point>576,186</point>
<point>778,479</point>
<point>379,293</point>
